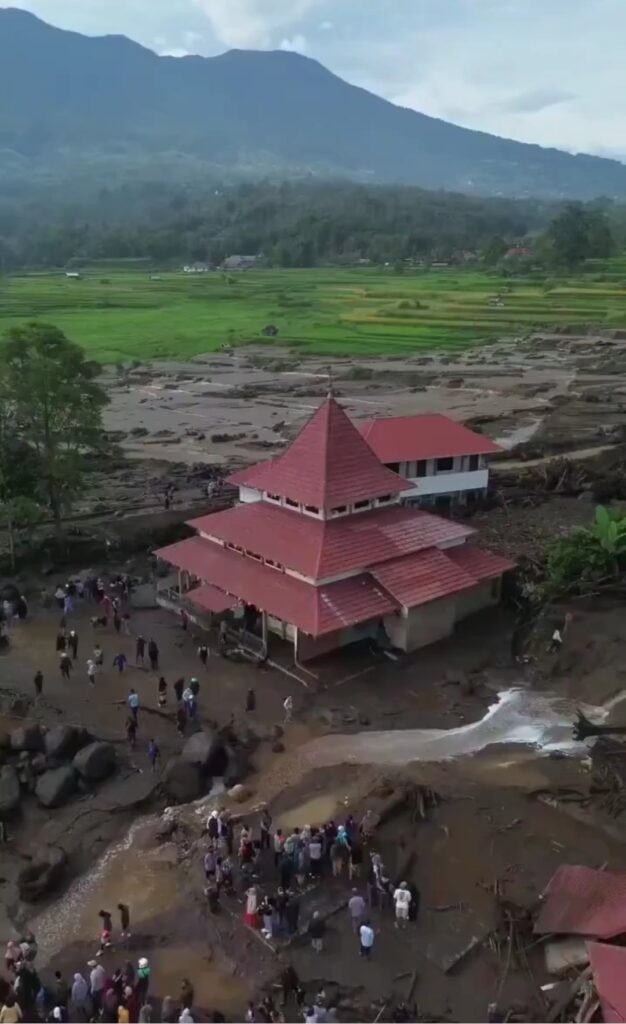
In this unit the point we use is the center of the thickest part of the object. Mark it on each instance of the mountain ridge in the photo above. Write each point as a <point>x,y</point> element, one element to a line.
<point>246,112</point>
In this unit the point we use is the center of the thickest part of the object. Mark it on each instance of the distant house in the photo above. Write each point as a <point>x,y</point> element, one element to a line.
<point>196,268</point>
<point>517,252</point>
<point>445,461</point>
<point>240,262</point>
<point>73,273</point>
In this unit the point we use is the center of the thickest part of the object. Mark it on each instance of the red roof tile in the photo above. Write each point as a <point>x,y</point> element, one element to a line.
<point>426,576</point>
<point>322,549</point>
<point>483,565</point>
<point>608,964</point>
<point>432,436</point>
<point>315,610</point>
<point>582,901</point>
<point>327,465</point>
<point>211,599</point>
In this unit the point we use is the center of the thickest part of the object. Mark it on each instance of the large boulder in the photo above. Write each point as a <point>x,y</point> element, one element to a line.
<point>9,791</point>
<point>182,780</point>
<point>239,793</point>
<point>27,737</point>
<point>55,787</point>
<point>95,761</point>
<point>206,749</point>
<point>43,874</point>
<point>237,766</point>
<point>63,741</point>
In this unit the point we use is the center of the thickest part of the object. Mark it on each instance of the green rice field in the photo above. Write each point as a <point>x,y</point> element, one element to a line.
<point>120,315</point>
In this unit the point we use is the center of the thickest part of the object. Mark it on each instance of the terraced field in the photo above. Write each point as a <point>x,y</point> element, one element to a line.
<point>121,315</point>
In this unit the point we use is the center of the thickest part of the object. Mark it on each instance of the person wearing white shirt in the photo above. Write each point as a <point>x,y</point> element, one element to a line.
<point>366,936</point>
<point>402,900</point>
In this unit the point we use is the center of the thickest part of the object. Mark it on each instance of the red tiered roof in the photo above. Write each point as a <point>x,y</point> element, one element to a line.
<point>324,548</point>
<point>430,436</point>
<point>327,466</point>
<point>426,576</point>
<point>315,610</point>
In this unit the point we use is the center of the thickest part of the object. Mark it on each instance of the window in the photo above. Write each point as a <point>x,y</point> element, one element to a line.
<point>473,462</point>
<point>384,499</point>
<point>362,504</point>
<point>394,467</point>
<point>338,510</point>
<point>252,554</point>
<point>421,468</point>
<point>273,497</point>
<point>444,465</point>
<point>292,504</point>
<point>313,509</point>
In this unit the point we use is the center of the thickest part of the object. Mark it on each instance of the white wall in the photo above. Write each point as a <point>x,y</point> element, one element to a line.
<point>448,483</point>
<point>249,494</point>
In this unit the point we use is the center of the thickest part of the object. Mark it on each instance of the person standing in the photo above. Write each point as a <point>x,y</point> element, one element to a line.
<point>117,621</point>
<point>317,929</point>
<point>279,846</point>
<point>98,656</point>
<point>124,920</point>
<point>356,907</point>
<point>140,648</point>
<point>38,683</point>
<point>131,732</point>
<point>366,936</point>
<point>59,596</point>
<point>194,686</point>
<point>179,686</point>
<point>154,754</point>
<point>72,643</point>
<point>203,653</point>
<point>133,703</point>
<point>250,700</point>
<point>61,641</point>
<point>356,860</point>
<point>288,709</point>
<point>80,997</point>
<point>162,692</point>
<point>120,662</point>
<point>153,654</point>
<point>68,605</point>
<point>181,719</point>
<point>65,664</point>
<point>402,900</point>
<point>97,980</point>
<point>266,827</point>
<point>316,850</point>
<point>91,672</point>
<point>143,979</point>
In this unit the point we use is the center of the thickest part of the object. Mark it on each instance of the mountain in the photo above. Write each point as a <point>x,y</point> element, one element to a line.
<point>75,105</point>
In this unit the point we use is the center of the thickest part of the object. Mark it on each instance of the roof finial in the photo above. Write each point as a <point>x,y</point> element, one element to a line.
<point>331,383</point>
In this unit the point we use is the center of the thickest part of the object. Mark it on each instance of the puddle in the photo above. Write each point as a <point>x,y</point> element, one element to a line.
<point>518,717</point>
<point>312,812</point>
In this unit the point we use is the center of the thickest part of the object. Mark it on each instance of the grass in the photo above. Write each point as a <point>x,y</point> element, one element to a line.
<point>121,315</point>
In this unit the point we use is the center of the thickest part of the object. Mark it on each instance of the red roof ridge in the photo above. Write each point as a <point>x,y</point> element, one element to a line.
<point>423,436</point>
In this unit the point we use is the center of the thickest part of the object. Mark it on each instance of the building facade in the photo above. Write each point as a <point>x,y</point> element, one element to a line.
<point>321,551</point>
<point>445,462</point>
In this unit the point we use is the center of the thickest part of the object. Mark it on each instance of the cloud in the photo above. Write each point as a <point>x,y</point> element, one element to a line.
<point>297,44</point>
<point>253,23</point>
<point>174,51</point>
<point>534,100</point>
<point>326,26</point>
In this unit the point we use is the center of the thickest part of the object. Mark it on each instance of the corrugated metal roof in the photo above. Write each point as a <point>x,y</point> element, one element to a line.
<point>483,565</point>
<point>608,964</point>
<point>430,436</point>
<point>582,901</point>
<point>316,610</point>
<point>211,599</point>
<point>426,576</point>
<point>326,466</point>
<point>324,548</point>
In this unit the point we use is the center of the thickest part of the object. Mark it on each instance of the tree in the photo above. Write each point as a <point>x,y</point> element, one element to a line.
<point>494,250</point>
<point>19,503</point>
<point>58,407</point>
<point>587,556</point>
<point>569,235</point>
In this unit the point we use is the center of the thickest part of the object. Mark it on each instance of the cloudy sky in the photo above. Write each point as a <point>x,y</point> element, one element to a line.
<point>547,71</point>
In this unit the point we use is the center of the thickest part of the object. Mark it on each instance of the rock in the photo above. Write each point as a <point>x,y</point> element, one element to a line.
<point>27,737</point>
<point>9,791</point>
<point>237,766</point>
<point>239,793</point>
<point>39,763</point>
<point>43,874</point>
<point>206,749</point>
<point>65,740</point>
<point>95,761</point>
<point>55,787</point>
<point>182,780</point>
<point>278,747</point>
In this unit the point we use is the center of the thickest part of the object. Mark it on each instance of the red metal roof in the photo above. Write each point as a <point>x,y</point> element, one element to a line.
<point>608,964</point>
<point>431,436</point>
<point>322,549</point>
<point>211,599</point>
<point>482,565</point>
<point>426,576</point>
<point>326,466</point>
<point>315,610</point>
<point>582,901</point>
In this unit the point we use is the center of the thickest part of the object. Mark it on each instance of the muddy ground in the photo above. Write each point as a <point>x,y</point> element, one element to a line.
<point>490,835</point>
